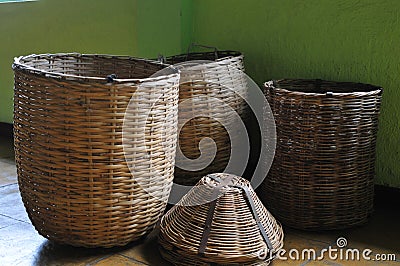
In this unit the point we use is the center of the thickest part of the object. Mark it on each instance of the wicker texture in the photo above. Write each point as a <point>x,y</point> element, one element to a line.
<point>73,171</point>
<point>233,236</point>
<point>322,176</point>
<point>207,85</point>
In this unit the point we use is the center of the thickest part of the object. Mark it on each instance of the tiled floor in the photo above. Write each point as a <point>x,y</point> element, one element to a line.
<point>20,244</point>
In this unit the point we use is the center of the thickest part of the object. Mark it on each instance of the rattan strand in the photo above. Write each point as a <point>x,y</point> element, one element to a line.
<point>73,171</point>
<point>322,176</point>
<point>234,238</point>
<point>208,85</point>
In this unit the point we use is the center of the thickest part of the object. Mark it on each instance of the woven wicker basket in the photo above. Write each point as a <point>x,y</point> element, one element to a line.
<point>322,176</point>
<point>232,228</point>
<point>79,183</point>
<point>206,86</point>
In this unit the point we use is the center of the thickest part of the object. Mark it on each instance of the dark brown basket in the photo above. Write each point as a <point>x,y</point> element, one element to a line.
<point>220,221</point>
<point>322,176</point>
<point>83,180</point>
<point>206,86</point>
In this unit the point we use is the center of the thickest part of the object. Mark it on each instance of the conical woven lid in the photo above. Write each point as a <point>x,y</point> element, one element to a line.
<point>222,221</point>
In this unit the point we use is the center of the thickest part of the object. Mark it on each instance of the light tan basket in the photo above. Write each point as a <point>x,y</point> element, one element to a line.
<point>85,177</point>
<point>213,89</point>
<point>220,221</point>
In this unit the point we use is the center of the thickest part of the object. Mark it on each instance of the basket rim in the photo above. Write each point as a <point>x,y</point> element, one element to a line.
<point>18,64</point>
<point>367,89</point>
<point>226,55</point>
<point>203,65</point>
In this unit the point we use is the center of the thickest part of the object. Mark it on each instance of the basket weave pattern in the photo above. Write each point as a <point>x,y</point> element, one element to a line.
<point>79,184</point>
<point>223,231</point>
<point>322,176</point>
<point>207,86</point>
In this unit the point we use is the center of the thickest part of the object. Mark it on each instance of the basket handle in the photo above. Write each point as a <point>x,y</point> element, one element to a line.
<point>192,45</point>
<point>161,58</point>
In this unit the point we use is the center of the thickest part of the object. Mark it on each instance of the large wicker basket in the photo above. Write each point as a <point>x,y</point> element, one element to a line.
<point>208,93</point>
<point>220,221</point>
<point>82,183</point>
<point>322,176</point>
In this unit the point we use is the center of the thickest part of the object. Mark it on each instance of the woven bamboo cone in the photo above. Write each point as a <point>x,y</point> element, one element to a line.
<point>233,236</point>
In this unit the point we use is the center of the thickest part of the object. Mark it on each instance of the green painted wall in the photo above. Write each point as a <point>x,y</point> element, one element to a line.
<point>49,26</point>
<point>142,28</point>
<point>338,40</point>
<point>343,40</point>
<point>162,27</point>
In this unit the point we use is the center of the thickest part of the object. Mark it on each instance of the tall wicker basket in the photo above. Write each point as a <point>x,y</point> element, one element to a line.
<point>81,183</point>
<point>213,89</point>
<point>322,176</point>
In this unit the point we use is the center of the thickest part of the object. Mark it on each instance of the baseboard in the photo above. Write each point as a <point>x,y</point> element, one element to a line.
<point>387,195</point>
<point>6,130</point>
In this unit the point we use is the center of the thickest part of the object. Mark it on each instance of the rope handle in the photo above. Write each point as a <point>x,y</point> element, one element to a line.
<point>192,45</point>
<point>161,58</point>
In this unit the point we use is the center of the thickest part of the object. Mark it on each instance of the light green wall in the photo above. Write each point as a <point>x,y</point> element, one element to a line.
<point>338,40</point>
<point>162,27</point>
<point>50,26</point>
<point>343,40</point>
<point>142,28</point>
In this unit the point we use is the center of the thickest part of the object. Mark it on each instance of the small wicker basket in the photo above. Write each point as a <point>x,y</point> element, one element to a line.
<point>83,179</point>
<point>213,89</point>
<point>322,176</point>
<point>232,228</point>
